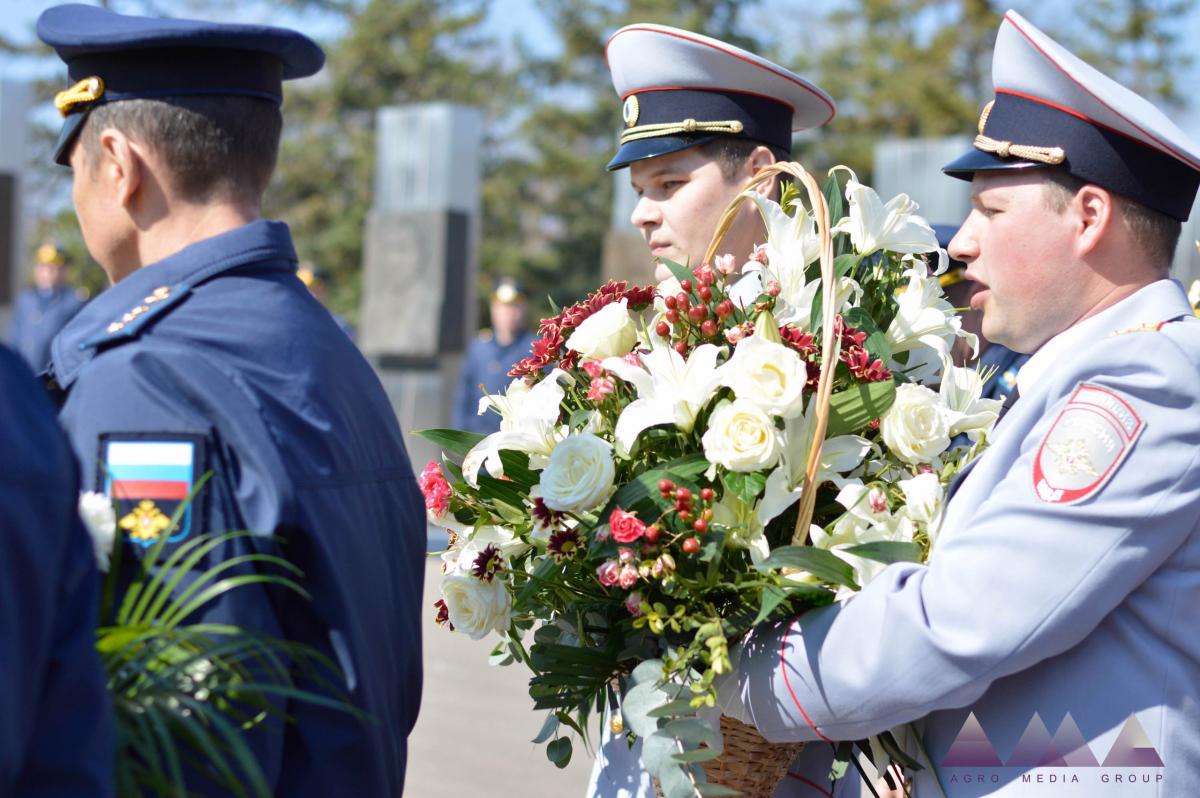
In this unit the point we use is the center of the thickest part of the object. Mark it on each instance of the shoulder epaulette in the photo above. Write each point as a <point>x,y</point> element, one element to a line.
<point>1155,327</point>
<point>131,323</point>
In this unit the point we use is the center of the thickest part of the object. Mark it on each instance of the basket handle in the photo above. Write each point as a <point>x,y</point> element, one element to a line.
<point>820,210</point>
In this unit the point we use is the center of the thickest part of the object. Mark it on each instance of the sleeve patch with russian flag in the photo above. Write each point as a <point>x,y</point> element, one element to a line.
<point>148,476</point>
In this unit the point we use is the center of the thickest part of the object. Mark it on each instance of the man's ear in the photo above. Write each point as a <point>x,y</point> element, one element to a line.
<point>761,157</point>
<point>1096,211</point>
<point>122,165</point>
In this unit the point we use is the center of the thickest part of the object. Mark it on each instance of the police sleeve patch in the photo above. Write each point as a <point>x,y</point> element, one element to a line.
<point>1085,445</point>
<point>149,476</point>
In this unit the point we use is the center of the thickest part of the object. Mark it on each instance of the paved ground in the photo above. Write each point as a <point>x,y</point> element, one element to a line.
<point>472,737</point>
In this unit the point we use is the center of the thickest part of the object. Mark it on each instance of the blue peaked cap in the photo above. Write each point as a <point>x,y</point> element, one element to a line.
<point>112,57</point>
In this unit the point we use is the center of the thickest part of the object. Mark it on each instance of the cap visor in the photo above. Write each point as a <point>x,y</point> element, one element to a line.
<point>66,137</point>
<point>652,148</point>
<point>978,161</point>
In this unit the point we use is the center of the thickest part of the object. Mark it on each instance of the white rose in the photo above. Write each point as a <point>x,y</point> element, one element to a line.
<point>579,475</point>
<point>609,332</point>
<point>922,497</point>
<point>916,427</point>
<point>741,437</point>
<point>768,374</point>
<point>96,510</point>
<point>476,606</point>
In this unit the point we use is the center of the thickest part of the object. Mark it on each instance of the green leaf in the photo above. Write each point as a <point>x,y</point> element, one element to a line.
<point>680,271</point>
<point>843,265</point>
<point>452,441</point>
<point>852,409</point>
<point>746,487</point>
<point>672,709</point>
<point>822,564</point>
<point>887,551</point>
<point>833,198</point>
<point>709,790</point>
<point>691,730</point>
<point>559,752</point>
<point>549,728</point>
<point>898,754</point>
<point>698,755</point>
<point>639,494</point>
<point>877,344</point>
<point>772,596</point>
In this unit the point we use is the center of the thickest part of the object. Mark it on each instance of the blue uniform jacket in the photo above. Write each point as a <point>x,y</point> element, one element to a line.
<point>56,729</point>
<point>1050,644</point>
<point>37,318</point>
<point>486,363</point>
<point>218,359</point>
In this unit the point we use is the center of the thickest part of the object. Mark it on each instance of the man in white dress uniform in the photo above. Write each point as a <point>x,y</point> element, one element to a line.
<point>1049,647</point>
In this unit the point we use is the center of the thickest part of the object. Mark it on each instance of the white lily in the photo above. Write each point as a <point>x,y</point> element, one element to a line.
<point>785,485</point>
<point>670,390</point>
<point>461,557</point>
<point>872,225</point>
<point>528,423</point>
<point>925,326</point>
<point>792,245</point>
<point>962,390</point>
<point>748,532</point>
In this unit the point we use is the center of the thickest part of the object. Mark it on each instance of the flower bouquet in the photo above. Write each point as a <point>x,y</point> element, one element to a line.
<point>678,464</point>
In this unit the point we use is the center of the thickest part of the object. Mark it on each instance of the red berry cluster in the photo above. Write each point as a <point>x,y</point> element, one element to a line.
<point>696,314</point>
<point>693,518</point>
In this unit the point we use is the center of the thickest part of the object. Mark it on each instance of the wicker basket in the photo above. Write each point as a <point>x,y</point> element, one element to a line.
<point>750,764</point>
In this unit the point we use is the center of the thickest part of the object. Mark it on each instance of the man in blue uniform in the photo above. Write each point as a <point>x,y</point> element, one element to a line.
<point>490,356</point>
<point>208,355</point>
<point>1000,362</point>
<point>40,312</point>
<point>56,730</point>
<point>1049,643</point>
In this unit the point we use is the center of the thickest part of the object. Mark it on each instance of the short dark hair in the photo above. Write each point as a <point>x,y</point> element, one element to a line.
<point>731,153</point>
<point>1156,233</point>
<point>213,146</point>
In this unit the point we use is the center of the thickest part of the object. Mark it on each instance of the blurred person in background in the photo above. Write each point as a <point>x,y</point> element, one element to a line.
<point>1002,362</point>
<point>317,282</point>
<point>41,311</point>
<point>490,356</point>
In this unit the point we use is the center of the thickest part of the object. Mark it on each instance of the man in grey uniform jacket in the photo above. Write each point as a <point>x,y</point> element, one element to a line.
<point>1049,647</point>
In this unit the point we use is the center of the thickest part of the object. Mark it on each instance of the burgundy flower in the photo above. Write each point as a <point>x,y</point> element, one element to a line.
<point>488,563</point>
<point>563,544</point>
<point>443,614</point>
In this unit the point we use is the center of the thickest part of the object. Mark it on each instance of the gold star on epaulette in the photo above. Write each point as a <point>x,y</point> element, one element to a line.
<point>157,295</point>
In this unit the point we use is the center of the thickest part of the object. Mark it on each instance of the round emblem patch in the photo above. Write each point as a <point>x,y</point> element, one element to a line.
<point>1085,445</point>
<point>631,110</point>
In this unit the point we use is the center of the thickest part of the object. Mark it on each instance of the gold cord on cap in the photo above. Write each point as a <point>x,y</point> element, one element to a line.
<point>1005,149</point>
<point>85,91</point>
<point>686,126</point>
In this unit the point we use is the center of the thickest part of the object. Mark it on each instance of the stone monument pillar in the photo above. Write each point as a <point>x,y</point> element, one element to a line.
<point>420,259</point>
<point>14,110</point>
<point>914,167</point>
<point>625,256</point>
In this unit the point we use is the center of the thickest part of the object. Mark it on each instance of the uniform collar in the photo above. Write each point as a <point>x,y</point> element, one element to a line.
<point>1157,302</point>
<point>265,241</point>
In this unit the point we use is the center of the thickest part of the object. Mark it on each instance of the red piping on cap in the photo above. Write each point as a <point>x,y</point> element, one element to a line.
<point>1167,147</point>
<point>740,57</point>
